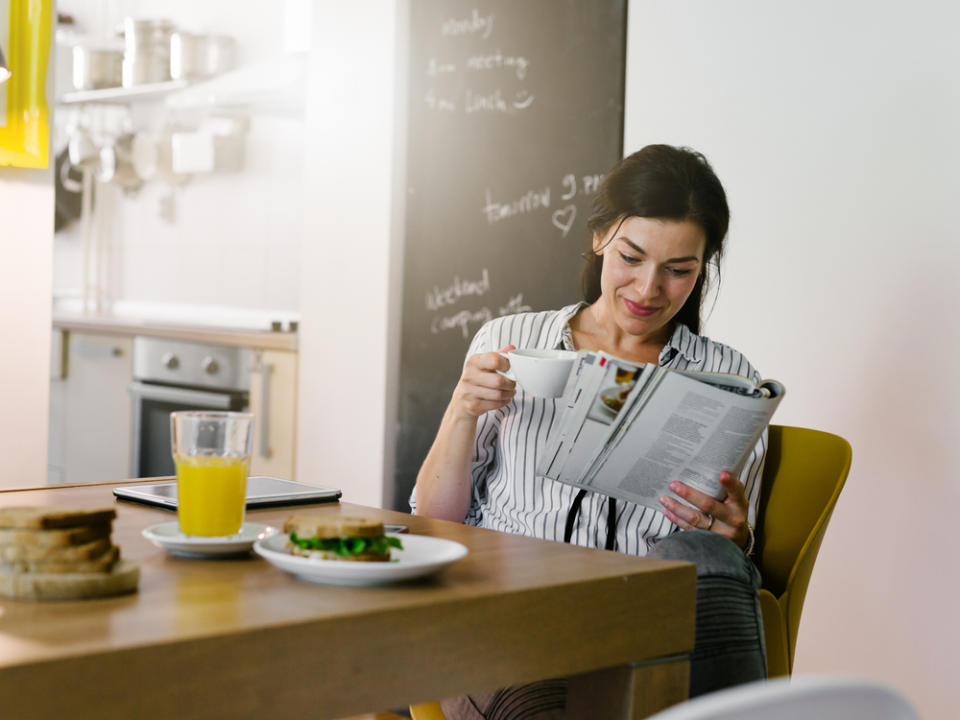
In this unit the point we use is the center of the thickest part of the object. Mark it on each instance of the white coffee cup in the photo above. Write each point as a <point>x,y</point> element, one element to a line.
<point>542,373</point>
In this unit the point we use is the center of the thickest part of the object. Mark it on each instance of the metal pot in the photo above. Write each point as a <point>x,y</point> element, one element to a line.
<point>95,68</point>
<point>146,57</point>
<point>194,57</point>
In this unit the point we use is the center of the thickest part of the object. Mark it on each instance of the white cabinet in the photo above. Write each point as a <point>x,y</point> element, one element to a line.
<point>90,410</point>
<point>273,401</point>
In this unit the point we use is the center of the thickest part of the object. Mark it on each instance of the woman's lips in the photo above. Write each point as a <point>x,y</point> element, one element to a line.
<point>638,309</point>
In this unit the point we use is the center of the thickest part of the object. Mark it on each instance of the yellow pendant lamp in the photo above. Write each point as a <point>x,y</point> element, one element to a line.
<point>25,126</point>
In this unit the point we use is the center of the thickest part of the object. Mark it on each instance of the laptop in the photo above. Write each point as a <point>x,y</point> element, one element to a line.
<point>262,492</point>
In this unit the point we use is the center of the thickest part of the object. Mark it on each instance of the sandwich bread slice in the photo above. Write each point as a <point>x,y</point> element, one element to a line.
<point>58,538</point>
<point>326,536</point>
<point>61,553</point>
<point>46,517</point>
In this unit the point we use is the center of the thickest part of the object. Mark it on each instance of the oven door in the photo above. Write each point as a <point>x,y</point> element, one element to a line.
<point>150,449</point>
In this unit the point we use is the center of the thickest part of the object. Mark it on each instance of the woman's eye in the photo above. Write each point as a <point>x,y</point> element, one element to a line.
<point>629,259</point>
<point>679,272</point>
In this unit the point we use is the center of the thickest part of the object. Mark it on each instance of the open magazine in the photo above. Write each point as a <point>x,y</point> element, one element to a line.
<point>628,430</point>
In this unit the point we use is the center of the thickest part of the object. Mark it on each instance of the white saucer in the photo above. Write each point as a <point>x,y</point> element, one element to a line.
<point>168,536</point>
<point>421,555</point>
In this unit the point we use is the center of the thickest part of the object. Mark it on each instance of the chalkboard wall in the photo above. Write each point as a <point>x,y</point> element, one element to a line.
<point>515,111</point>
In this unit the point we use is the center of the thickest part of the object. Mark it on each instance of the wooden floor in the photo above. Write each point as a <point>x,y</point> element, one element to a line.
<point>377,716</point>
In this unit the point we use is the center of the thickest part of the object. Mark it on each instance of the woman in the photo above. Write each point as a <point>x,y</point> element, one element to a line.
<point>659,222</point>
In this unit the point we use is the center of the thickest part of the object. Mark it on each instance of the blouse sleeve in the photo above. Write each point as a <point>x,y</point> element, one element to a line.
<point>484,448</point>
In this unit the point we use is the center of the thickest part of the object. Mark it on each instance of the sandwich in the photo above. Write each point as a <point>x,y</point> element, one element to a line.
<point>325,536</point>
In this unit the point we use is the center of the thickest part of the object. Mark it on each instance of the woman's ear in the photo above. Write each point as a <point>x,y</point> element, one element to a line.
<point>598,243</point>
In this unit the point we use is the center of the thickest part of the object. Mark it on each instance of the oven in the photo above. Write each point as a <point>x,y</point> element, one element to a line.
<point>171,375</point>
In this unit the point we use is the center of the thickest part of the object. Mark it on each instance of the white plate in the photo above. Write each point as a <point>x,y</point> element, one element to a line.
<point>168,536</point>
<point>421,555</point>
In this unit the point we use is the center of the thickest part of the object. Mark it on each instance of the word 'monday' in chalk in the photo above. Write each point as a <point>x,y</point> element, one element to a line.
<point>441,297</point>
<point>476,23</point>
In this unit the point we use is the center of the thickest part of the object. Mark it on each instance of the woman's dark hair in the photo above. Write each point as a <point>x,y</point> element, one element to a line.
<point>665,183</point>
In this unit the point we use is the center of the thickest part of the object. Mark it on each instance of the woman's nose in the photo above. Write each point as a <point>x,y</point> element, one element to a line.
<point>647,282</point>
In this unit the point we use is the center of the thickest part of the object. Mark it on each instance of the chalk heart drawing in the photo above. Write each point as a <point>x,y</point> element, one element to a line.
<point>564,217</point>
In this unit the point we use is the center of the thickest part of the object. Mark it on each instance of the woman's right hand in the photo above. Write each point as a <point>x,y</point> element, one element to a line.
<point>481,388</point>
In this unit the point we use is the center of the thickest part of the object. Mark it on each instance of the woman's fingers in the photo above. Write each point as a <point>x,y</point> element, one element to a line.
<point>481,387</point>
<point>729,515</point>
<point>685,516</point>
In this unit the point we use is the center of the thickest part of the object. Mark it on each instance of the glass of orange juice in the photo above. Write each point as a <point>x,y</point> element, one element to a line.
<point>211,451</point>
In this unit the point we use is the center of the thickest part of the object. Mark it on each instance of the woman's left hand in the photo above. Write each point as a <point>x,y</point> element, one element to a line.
<point>726,517</point>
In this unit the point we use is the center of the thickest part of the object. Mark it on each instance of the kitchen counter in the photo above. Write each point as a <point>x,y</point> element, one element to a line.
<point>176,330</point>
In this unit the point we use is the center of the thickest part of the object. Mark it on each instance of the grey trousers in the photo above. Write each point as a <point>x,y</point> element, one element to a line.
<point>728,649</point>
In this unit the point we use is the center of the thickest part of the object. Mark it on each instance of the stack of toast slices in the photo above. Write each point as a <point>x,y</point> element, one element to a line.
<point>61,553</point>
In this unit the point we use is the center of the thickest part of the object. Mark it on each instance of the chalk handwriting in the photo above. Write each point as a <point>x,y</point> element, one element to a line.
<point>441,297</point>
<point>435,68</point>
<point>523,101</point>
<point>476,23</point>
<point>564,217</point>
<point>491,102</point>
<point>591,183</point>
<point>461,321</point>
<point>495,102</point>
<point>464,319</point>
<point>438,103</point>
<point>515,305</point>
<point>497,61</point>
<point>531,200</point>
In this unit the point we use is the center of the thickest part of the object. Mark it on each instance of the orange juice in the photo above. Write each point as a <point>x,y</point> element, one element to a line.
<point>211,494</point>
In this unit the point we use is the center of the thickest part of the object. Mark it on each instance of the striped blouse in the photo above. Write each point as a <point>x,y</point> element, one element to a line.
<point>507,494</point>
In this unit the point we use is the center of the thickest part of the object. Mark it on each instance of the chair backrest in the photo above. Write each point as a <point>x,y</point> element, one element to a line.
<point>802,478</point>
<point>801,698</point>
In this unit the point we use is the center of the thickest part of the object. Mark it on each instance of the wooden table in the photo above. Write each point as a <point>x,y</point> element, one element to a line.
<point>240,638</point>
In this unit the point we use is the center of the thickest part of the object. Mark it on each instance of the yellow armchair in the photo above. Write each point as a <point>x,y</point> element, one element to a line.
<point>802,478</point>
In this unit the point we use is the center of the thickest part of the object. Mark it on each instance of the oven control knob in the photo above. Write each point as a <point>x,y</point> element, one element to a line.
<point>170,361</point>
<point>210,366</point>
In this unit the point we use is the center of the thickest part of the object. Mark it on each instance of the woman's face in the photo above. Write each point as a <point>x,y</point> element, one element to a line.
<point>650,267</point>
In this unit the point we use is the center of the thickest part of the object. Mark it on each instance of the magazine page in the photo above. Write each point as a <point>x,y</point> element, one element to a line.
<point>600,414</point>
<point>736,383</point>
<point>591,405</point>
<point>685,430</point>
<point>586,376</point>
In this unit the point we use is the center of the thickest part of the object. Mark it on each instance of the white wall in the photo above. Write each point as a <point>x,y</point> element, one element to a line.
<point>349,282</point>
<point>26,245</point>
<point>834,127</point>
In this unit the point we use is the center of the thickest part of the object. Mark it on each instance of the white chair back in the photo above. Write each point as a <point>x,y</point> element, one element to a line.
<point>798,698</point>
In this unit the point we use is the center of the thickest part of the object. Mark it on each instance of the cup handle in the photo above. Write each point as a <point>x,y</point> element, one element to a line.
<point>508,375</point>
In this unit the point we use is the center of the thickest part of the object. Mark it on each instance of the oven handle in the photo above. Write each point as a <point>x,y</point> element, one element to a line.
<point>217,401</point>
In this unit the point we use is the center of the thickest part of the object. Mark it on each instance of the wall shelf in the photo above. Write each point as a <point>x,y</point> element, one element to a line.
<point>122,95</point>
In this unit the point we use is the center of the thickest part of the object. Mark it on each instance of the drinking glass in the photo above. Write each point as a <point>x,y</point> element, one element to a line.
<point>211,451</point>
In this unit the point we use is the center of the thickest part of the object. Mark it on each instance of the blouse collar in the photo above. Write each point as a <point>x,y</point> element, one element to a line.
<point>683,340</point>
